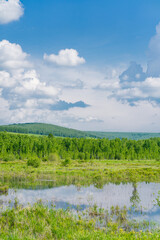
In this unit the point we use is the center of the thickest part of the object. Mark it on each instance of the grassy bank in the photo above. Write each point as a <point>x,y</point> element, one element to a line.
<point>80,172</point>
<point>39,222</point>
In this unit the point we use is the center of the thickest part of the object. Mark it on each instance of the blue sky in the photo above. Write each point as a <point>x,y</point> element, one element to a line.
<point>108,30</point>
<point>90,65</point>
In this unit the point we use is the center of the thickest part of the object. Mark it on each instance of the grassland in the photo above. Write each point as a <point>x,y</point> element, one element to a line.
<point>80,172</point>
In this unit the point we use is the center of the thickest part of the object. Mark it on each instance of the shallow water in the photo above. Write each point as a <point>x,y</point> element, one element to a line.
<point>142,195</point>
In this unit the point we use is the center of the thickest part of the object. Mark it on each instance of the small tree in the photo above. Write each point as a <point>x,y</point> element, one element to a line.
<point>34,162</point>
<point>50,135</point>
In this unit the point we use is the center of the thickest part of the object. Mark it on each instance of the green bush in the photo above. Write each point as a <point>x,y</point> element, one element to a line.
<point>53,157</point>
<point>45,159</point>
<point>81,155</point>
<point>66,162</point>
<point>34,162</point>
<point>50,135</point>
<point>9,158</point>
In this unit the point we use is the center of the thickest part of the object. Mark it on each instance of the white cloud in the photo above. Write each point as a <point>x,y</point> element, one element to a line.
<point>66,57</point>
<point>107,86</point>
<point>139,85</point>
<point>10,10</point>
<point>130,94</point>
<point>110,114</point>
<point>20,84</point>
<point>6,80</point>
<point>30,85</point>
<point>111,82</point>
<point>76,84</point>
<point>23,88</point>
<point>151,87</point>
<point>12,56</point>
<point>41,103</point>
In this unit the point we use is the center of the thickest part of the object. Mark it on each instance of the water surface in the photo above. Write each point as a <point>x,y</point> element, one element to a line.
<point>141,195</point>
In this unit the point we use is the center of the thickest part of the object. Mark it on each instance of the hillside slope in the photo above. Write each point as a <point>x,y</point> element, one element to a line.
<point>45,129</point>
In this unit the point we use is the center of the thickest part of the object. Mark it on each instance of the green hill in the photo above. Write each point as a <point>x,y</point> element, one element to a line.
<point>45,129</point>
<point>128,135</point>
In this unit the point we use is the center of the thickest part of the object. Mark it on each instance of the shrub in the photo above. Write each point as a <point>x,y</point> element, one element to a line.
<point>81,155</point>
<point>9,158</point>
<point>50,135</point>
<point>66,162</point>
<point>34,162</point>
<point>53,157</point>
<point>45,159</point>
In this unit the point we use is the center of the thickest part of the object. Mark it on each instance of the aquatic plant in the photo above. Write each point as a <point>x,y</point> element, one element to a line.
<point>40,222</point>
<point>3,189</point>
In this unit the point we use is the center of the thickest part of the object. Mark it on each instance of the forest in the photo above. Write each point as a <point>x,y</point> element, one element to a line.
<point>45,129</point>
<point>22,146</point>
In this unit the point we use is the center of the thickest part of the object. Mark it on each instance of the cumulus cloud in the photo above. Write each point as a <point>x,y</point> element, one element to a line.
<point>12,56</point>
<point>30,85</point>
<point>66,57</point>
<point>133,86</point>
<point>6,80</point>
<point>10,10</point>
<point>20,83</point>
<point>22,87</point>
<point>111,82</point>
<point>151,88</point>
<point>27,86</point>
<point>147,90</point>
<point>136,85</point>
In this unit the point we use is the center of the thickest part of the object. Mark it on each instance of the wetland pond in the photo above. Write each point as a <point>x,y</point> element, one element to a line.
<point>138,196</point>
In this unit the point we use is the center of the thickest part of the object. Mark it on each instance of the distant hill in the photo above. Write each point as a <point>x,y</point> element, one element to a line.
<point>128,135</point>
<point>45,129</point>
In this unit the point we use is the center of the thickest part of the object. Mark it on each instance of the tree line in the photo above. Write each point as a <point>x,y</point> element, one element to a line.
<point>24,146</point>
